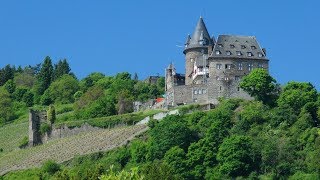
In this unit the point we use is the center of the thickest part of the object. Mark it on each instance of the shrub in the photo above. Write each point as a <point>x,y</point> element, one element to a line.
<point>51,114</point>
<point>24,142</point>
<point>50,167</point>
<point>44,128</point>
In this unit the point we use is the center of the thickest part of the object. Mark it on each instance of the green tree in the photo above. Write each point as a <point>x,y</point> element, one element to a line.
<point>63,89</point>
<point>6,74</point>
<point>169,132</point>
<point>296,95</point>
<point>138,150</point>
<point>10,86</point>
<point>28,98</point>
<point>260,85</point>
<point>236,156</point>
<point>45,76</point>
<point>61,68</point>
<point>6,106</point>
<point>176,160</point>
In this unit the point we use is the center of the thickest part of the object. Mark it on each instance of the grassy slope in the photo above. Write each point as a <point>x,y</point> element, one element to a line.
<point>11,135</point>
<point>65,149</point>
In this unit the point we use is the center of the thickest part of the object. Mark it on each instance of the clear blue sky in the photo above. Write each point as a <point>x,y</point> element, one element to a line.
<point>142,36</point>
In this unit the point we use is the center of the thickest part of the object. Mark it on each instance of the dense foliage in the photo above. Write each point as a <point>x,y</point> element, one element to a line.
<point>96,95</point>
<point>275,136</point>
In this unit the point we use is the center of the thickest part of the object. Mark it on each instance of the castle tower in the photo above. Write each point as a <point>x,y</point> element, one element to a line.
<point>197,45</point>
<point>170,72</point>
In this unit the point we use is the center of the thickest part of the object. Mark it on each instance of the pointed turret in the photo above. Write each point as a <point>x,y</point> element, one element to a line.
<point>187,41</point>
<point>200,36</point>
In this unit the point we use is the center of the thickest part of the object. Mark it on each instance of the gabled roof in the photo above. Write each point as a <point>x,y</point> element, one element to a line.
<point>229,46</point>
<point>200,36</point>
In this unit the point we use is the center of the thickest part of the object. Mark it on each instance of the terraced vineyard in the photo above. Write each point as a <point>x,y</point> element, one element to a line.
<point>11,135</point>
<point>61,150</point>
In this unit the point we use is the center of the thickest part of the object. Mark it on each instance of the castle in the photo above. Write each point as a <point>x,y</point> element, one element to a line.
<point>213,68</point>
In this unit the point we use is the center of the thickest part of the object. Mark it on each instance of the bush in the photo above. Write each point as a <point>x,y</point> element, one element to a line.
<point>50,167</point>
<point>51,114</point>
<point>24,142</point>
<point>44,128</point>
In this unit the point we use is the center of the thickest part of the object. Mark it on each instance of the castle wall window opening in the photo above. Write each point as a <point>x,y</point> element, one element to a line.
<point>240,66</point>
<point>219,66</point>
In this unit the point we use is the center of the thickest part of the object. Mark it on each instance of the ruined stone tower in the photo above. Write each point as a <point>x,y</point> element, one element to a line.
<point>35,119</point>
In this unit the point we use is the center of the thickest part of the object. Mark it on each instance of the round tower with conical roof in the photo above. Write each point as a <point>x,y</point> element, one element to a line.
<point>196,46</point>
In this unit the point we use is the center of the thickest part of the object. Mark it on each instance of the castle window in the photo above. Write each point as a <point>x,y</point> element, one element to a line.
<point>250,66</point>
<point>218,52</point>
<point>237,78</point>
<point>191,59</point>
<point>238,88</point>
<point>226,79</point>
<point>228,53</point>
<point>260,65</point>
<point>220,45</point>
<point>232,46</point>
<point>243,46</point>
<point>239,53</point>
<point>220,88</point>
<point>260,54</point>
<point>249,54</point>
<point>253,47</point>
<point>204,91</point>
<point>228,66</point>
<point>200,92</point>
<point>240,67</point>
<point>195,92</point>
<point>218,66</point>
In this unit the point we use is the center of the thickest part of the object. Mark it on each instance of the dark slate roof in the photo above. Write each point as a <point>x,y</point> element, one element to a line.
<point>228,46</point>
<point>200,36</point>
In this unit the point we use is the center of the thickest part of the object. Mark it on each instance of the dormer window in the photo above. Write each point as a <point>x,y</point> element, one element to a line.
<point>232,46</point>
<point>239,53</point>
<point>228,53</point>
<point>260,54</point>
<point>220,45</point>
<point>249,54</point>
<point>218,52</point>
<point>243,46</point>
<point>228,66</point>
<point>253,47</point>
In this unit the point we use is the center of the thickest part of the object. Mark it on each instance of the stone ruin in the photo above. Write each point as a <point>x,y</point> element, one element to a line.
<point>35,119</point>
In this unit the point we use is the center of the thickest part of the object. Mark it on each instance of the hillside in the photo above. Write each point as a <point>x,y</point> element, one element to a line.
<point>65,149</point>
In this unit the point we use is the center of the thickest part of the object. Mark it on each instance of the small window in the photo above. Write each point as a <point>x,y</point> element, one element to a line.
<point>260,65</point>
<point>237,78</point>
<point>228,66</point>
<point>238,88</point>
<point>232,46</point>
<point>260,54</point>
<point>204,91</point>
<point>195,92</point>
<point>243,46</point>
<point>220,45</point>
<point>250,66</point>
<point>220,88</point>
<point>239,53</point>
<point>253,47</point>
<point>249,54</point>
<point>228,53</point>
<point>226,79</point>
<point>218,66</point>
<point>218,52</point>
<point>240,66</point>
<point>191,59</point>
